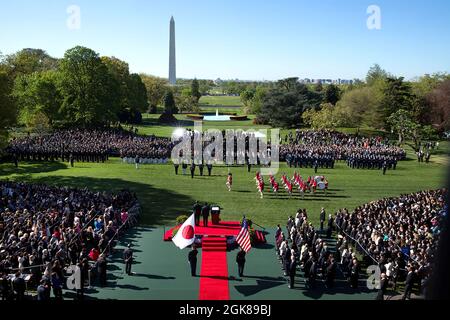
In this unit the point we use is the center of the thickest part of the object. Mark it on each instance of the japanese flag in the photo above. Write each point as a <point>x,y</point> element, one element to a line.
<point>186,234</point>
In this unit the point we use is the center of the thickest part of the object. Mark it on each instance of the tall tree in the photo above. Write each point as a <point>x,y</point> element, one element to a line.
<point>318,87</point>
<point>439,101</point>
<point>8,110</point>
<point>281,108</point>
<point>137,93</point>
<point>332,94</point>
<point>397,95</point>
<point>169,103</point>
<point>361,107</point>
<point>156,89</point>
<point>288,84</point>
<point>28,61</point>
<point>195,90</point>
<point>37,96</point>
<point>90,93</point>
<point>376,73</point>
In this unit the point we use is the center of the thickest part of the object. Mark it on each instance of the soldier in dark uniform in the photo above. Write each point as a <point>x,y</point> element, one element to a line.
<point>128,258</point>
<point>192,258</point>
<point>176,166</point>
<point>209,167</point>
<point>384,167</point>
<point>240,260</point>
<point>71,160</point>
<point>16,160</point>
<point>192,170</point>
<point>201,167</point>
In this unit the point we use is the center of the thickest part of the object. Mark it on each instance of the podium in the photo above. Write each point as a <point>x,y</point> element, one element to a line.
<point>215,215</point>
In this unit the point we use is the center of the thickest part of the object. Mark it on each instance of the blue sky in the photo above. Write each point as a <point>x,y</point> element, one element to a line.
<point>245,39</point>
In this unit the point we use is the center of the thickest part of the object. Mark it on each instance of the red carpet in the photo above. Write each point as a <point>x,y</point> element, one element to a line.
<point>223,229</point>
<point>214,271</point>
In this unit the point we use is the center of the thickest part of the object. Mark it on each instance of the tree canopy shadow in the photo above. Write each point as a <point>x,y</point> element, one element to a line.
<point>262,283</point>
<point>26,169</point>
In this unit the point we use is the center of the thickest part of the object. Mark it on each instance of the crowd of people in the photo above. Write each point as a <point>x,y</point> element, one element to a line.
<point>304,248</point>
<point>398,234</point>
<point>83,145</point>
<point>45,229</point>
<point>321,149</point>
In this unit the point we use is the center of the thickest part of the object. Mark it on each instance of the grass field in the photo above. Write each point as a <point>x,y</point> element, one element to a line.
<point>164,196</point>
<point>225,101</point>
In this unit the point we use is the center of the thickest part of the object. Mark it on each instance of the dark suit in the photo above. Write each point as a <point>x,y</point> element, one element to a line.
<point>192,171</point>
<point>383,287</point>
<point>410,278</point>
<point>192,258</point>
<point>354,276</point>
<point>322,219</point>
<point>19,288</point>
<point>197,210</point>
<point>101,269</point>
<point>331,274</point>
<point>205,214</point>
<point>292,271</point>
<point>128,257</point>
<point>240,260</point>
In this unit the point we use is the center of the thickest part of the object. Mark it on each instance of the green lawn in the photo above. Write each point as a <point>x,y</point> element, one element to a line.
<point>164,196</point>
<point>226,101</point>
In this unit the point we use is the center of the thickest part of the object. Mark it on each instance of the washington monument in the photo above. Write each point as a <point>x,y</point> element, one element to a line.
<point>172,55</point>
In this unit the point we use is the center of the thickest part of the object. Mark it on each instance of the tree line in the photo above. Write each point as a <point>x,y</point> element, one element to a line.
<point>411,109</point>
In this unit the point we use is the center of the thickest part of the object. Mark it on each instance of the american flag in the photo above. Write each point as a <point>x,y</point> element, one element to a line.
<point>243,239</point>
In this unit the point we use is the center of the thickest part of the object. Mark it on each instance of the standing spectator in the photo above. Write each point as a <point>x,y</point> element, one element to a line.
<point>19,286</point>
<point>57,286</point>
<point>384,283</point>
<point>128,258</point>
<point>354,274</point>
<point>101,269</point>
<point>292,270</point>
<point>410,279</point>
<point>330,273</point>
<point>43,291</point>
<point>323,216</point>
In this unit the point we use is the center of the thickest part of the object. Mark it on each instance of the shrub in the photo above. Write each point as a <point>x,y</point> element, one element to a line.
<point>167,118</point>
<point>181,219</point>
